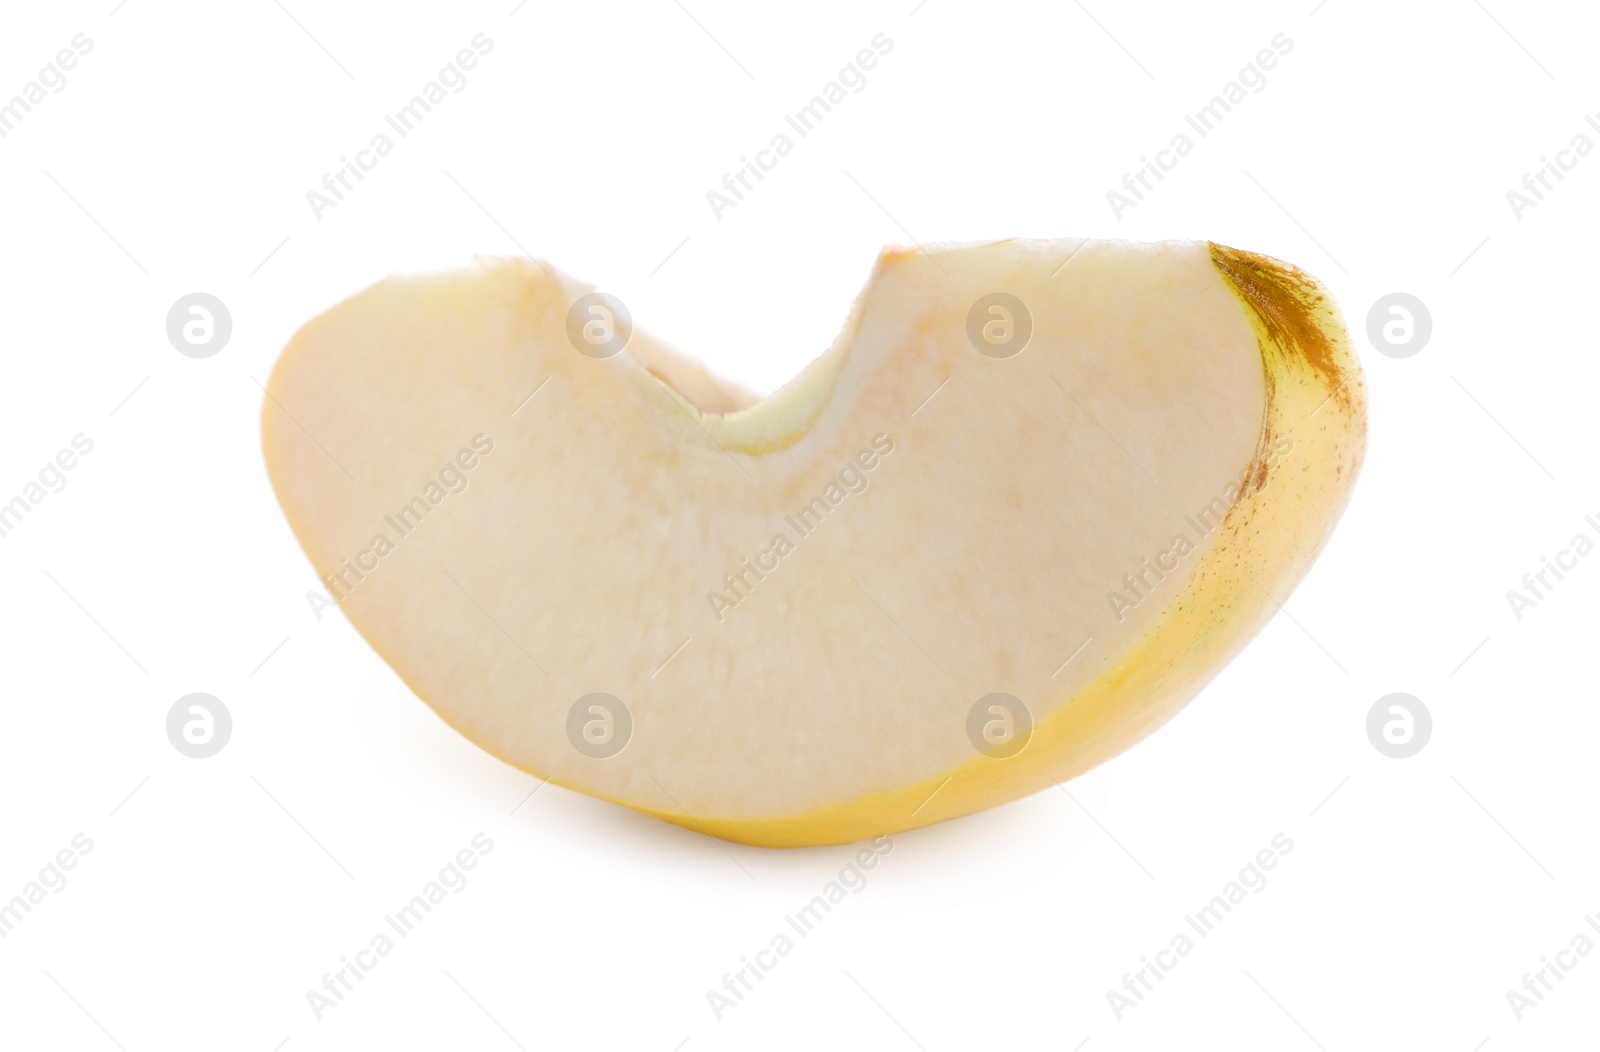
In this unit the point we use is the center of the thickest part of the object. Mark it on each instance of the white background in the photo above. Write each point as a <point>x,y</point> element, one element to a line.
<point>219,891</point>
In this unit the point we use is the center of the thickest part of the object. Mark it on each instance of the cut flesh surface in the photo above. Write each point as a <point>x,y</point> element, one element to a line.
<point>801,600</point>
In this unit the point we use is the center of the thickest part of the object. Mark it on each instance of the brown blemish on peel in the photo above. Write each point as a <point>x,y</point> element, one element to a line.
<point>1291,310</point>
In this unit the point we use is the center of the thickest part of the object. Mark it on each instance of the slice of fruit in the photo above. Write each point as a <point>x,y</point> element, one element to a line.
<point>1034,497</point>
